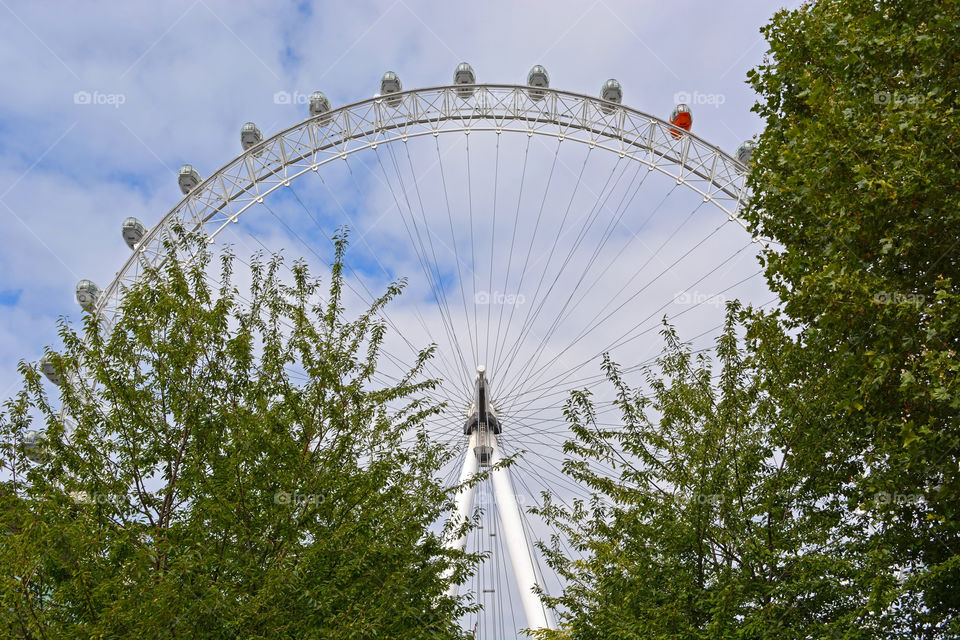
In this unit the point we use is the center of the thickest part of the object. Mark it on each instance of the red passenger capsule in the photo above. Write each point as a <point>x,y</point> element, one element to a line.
<point>682,118</point>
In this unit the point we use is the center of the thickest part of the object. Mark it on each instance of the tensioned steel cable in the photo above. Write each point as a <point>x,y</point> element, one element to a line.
<point>434,274</point>
<point>420,251</point>
<point>523,406</point>
<point>533,308</point>
<point>627,370</point>
<point>453,241</point>
<point>623,339</point>
<point>593,326</point>
<point>417,311</point>
<point>513,238</point>
<point>563,221</point>
<point>536,227</point>
<point>608,232</point>
<point>396,359</point>
<point>493,239</point>
<point>370,298</point>
<point>373,253</point>
<point>519,377</point>
<point>473,250</point>
<point>600,203</point>
<point>443,300</point>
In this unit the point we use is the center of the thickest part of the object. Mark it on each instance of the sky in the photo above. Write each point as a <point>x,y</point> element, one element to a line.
<point>172,82</point>
<point>102,103</point>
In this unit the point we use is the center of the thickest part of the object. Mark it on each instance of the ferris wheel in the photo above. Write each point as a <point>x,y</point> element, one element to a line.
<point>539,229</point>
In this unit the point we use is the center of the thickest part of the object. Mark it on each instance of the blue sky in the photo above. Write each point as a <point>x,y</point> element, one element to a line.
<point>101,105</point>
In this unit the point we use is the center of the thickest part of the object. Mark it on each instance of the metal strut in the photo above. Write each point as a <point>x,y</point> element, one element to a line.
<point>482,428</point>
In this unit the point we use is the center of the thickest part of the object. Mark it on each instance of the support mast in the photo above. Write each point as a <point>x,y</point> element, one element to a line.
<point>482,428</point>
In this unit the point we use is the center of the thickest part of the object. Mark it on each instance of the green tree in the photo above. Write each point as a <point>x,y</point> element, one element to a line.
<point>226,468</point>
<point>832,438</point>
<point>703,525</point>
<point>857,177</point>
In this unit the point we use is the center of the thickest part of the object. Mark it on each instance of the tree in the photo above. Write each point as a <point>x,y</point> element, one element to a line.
<point>223,468</point>
<point>702,524</point>
<point>831,445</point>
<point>857,177</point>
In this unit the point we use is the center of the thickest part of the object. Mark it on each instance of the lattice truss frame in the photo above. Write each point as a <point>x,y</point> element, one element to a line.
<point>246,180</point>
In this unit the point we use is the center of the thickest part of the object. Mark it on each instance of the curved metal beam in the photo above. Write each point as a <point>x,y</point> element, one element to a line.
<point>307,146</point>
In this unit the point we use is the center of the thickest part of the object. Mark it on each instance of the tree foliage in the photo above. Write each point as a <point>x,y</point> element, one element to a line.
<point>857,177</point>
<point>224,468</point>
<point>708,526</point>
<point>828,450</point>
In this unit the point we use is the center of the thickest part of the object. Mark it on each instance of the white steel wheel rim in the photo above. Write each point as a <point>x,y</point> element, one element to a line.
<point>235,187</point>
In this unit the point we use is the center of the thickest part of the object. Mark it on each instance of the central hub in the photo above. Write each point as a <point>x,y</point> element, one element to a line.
<point>482,425</point>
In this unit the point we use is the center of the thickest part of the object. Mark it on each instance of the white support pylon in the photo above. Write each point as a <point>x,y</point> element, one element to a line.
<point>464,500</point>
<point>484,451</point>
<point>519,547</point>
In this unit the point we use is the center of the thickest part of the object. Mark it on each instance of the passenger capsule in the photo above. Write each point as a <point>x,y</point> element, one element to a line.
<point>250,136</point>
<point>319,105</point>
<point>538,79</point>
<point>390,83</point>
<point>611,91</point>
<point>133,231</point>
<point>745,154</point>
<point>188,178</point>
<point>682,118</point>
<point>31,445</point>
<point>464,75</point>
<point>87,294</point>
<point>46,366</point>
